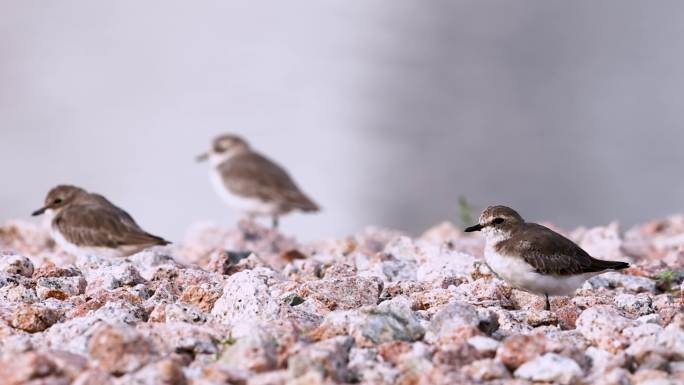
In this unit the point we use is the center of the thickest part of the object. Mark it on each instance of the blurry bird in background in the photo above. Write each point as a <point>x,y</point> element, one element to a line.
<point>251,183</point>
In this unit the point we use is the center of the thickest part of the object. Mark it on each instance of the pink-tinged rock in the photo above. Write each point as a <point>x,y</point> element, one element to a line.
<point>340,270</point>
<point>276,377</point>
<point>552,368</point>
<point>485,346</point>
<point>431,300</point>
<point>94,377</point>
<point>25,238</point>
<point>486,370</point>
<point>570,344</point>
<point>343,293</point>
<point>454,323</point>
<point>304,270</point>
<point>179,312</point>
<point>510,322</point>
<point>335,323</point>
<point>617,376</point>
<point>124,275</point>
<point>246,298</point>
<point>406,288</point>
<point>567,316</point>
<point>369,366</point>
<point>60,288</point>
<point>374,240</point>
<point>440,375</point>
<point>602,325</point>
<point>455,356</point>
<point>179,279</point>
<point>153,259</point>
<point>635,305</point>
<point>541,318</point>
<point>414,363</point>
<point>215,373</point>
<point>230,262</point>
<point>651,377</point>
<point>249,347</point>
<point>26,367</point>
<point>204,239</point>
<point>519,349</point>
<point>631,283</point>
<point>163,372</point>
<point>667,307</point>
<point>603,361</point>
<point>16,264</point>
<point>439,264</point>
<point>119,349</point>
<point>68,364</point>
<point>527,301</point>
<point>329,358</point>
<point>50,270</point>
<point>103,299</point>
<point>16,291</point>
<point>182,338</point>
<point>33,318</point>
<point>390,321</point>
<point>203,296</point>
<point>672,339</point>
<point>486,292</point>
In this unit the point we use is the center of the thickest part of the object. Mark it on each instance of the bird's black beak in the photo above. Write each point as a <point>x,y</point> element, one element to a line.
<point>202,157</point>
<point>39,211</point>
<point>477,227</point>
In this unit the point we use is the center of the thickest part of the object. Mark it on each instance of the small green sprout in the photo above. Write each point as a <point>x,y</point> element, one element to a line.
<point>465,210</point>
<point>667,280</point>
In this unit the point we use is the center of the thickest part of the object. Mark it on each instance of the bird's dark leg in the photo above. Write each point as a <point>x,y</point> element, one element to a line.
<point>548,304</point>
<point>275,222</point>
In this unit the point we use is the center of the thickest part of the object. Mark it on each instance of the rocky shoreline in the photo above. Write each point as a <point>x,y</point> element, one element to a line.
<point>251,306</point>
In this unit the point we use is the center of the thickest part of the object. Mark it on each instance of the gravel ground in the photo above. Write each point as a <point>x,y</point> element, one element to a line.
<point>250,305</point>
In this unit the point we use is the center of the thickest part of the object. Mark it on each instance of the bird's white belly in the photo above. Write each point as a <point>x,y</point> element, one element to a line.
<point>245,204</point>
<point>522,275</point>
<point>81,251</point>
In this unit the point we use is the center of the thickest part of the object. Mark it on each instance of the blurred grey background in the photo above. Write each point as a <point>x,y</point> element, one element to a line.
<point>385,112</point>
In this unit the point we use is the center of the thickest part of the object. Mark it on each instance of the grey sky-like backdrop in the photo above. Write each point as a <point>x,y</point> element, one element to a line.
<point>384,111</point>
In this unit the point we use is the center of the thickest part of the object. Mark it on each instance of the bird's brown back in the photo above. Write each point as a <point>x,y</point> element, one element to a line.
<point>93,221</point>
<point>551,253</point>
<point>251,174</point>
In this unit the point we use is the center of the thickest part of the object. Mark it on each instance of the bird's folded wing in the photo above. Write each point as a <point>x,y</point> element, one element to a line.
<point>253,175</point>
<point>97,226</point>
<point>551,253</point>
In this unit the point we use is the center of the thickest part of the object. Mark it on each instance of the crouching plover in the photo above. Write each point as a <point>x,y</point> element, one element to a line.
<point>534,258</point>
<point>88,224</point>
<point>252,183</point>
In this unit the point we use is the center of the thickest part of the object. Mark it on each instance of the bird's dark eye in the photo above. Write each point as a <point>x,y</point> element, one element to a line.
<point>498,221</point>
<point>57,201</point>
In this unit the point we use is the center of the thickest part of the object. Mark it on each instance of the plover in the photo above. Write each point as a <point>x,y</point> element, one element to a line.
<point>85,224</point>
<point>252,183</point>
<point>534,258</point>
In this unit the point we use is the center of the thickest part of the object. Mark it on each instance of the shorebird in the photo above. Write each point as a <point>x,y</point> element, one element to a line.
<point>534,258</point>
<point>85,224</point>
<point>252,183</point>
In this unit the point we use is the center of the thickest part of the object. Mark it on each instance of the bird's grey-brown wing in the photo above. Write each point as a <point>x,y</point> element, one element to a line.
<point>551,253</point>
<point>98,223</point>
<point>253,175</point>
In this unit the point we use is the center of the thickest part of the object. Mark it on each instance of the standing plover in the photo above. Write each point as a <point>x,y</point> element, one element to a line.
<point>252,183</point>
<point>534,258</point>
<point>85,224</point>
